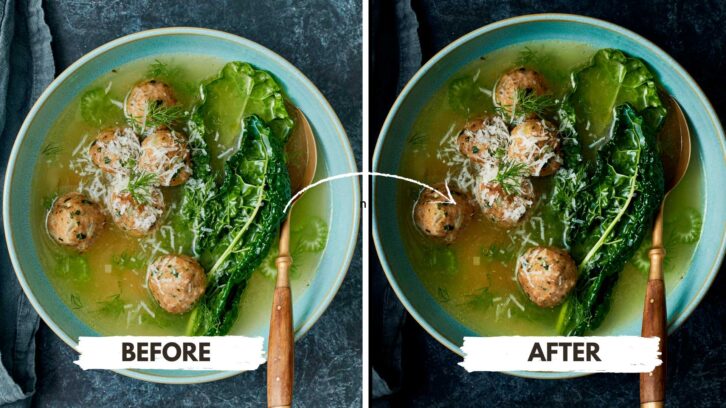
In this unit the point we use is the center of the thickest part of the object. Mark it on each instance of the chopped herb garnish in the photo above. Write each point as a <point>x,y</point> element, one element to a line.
<point>444,295</point>
<point>158,115</point>
<point>76,302</point>
<point>526,103</point>
<point>113,307</point>
<point>140,186</point>
<point>51,150</point>
<point>510,175</point>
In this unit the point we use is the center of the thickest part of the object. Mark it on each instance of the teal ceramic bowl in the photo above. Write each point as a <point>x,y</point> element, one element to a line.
<point>334,153</point>
<point>708,143</point>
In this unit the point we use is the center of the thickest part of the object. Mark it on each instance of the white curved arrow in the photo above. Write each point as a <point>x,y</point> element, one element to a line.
<point>447,197</point>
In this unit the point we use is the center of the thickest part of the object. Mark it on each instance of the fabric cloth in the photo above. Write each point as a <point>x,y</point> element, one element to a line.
<point>390,379</point>
<point>26,68</point>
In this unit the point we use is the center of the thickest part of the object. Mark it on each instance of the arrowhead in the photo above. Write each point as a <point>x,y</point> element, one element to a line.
<point>448,196</point>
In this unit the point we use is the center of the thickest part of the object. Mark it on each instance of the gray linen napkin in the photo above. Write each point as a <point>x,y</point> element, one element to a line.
<point>26,68</point>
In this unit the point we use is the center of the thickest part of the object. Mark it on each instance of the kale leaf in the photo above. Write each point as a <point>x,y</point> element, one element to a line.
<point>236,221</point>
<point>607,206</point>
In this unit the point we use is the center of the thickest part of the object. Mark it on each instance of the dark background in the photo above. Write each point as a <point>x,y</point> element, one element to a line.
<point>694,33</point>
<point>323,39</point>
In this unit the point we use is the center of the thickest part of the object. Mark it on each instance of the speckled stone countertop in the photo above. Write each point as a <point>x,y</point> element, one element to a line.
<point>323,39</point>
<point>694,34</point>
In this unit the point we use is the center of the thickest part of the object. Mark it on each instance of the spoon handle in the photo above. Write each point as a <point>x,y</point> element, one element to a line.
<point>652,385</point>
<point>280,350</point>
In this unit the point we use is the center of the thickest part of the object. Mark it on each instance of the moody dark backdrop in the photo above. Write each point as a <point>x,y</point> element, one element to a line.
<point>323,39</point>
<point>426,374</point>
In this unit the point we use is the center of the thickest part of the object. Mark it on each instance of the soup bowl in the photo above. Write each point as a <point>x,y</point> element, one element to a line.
<point>334,154</point>
<point>707,136</point>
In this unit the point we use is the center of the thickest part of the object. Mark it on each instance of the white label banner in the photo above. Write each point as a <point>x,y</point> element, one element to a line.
<point>615,354</point>
<point>236,353</point>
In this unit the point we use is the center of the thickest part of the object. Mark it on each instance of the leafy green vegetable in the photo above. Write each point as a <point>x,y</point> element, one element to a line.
<point>607,206</point>
<point>238,92</point>
<point>97,108</point>
<point>236,221</point>
<point>74,266</point>
<point>611,80</point>
<point>464,93</point>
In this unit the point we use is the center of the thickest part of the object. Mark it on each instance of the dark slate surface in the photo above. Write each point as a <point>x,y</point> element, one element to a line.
<point>694,34</point>
<point>323,39</point>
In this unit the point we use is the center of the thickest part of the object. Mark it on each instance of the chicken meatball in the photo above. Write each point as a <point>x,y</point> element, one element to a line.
<point>484,140</point>
<point>115,151</point>
<point>138,214</point>
<point>546,275</point>
<point>503,200</point>
<point>145,95</point>
<point>439,219</point>
<point>176,282</point>
<point>75,221</point>
<point>527,80</point>
<point>165,154</point>
<point>534,143</point>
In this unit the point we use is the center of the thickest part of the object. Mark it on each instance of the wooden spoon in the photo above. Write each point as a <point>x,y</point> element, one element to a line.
<point>302,162</point>
<point>675,142</point>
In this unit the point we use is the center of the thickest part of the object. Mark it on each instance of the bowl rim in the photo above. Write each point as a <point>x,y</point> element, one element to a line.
<point>348,156</point>
<point>678,319</point>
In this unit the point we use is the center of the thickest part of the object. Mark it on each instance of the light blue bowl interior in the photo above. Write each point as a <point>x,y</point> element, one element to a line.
<point>707,135</point>
<point>333,149</point>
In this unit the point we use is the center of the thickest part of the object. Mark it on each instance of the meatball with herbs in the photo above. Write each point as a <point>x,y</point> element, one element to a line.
<point>516,83</point>
<point>437,218</point>
<point>176,282</point>
<point>75,221</point>
<point>503,194</point>
<point>535,143</point>
<point>546,275</point>
<point>137,211</point>
<point>484,140</point>
<point>115,151</point>
<point>145,97</point>
<point>165,154</point>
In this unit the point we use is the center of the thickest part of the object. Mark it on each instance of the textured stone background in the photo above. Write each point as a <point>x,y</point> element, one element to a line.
<point>323,39</point>
<point>693,33</point>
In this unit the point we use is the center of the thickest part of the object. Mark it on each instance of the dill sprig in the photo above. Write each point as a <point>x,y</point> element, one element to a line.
<point>159,69</point>
<point>510,175</point>
<point>51,150</point>
<point>527,103</point>
<point>158,115</point>
<point>417,139</point>
<point>113,306</point>
<point>529,56</point>
<point>140,186</point>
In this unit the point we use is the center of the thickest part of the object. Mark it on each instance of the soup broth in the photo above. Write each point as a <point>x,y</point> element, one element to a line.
<point>474,277</point>
<point>106,285</point>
